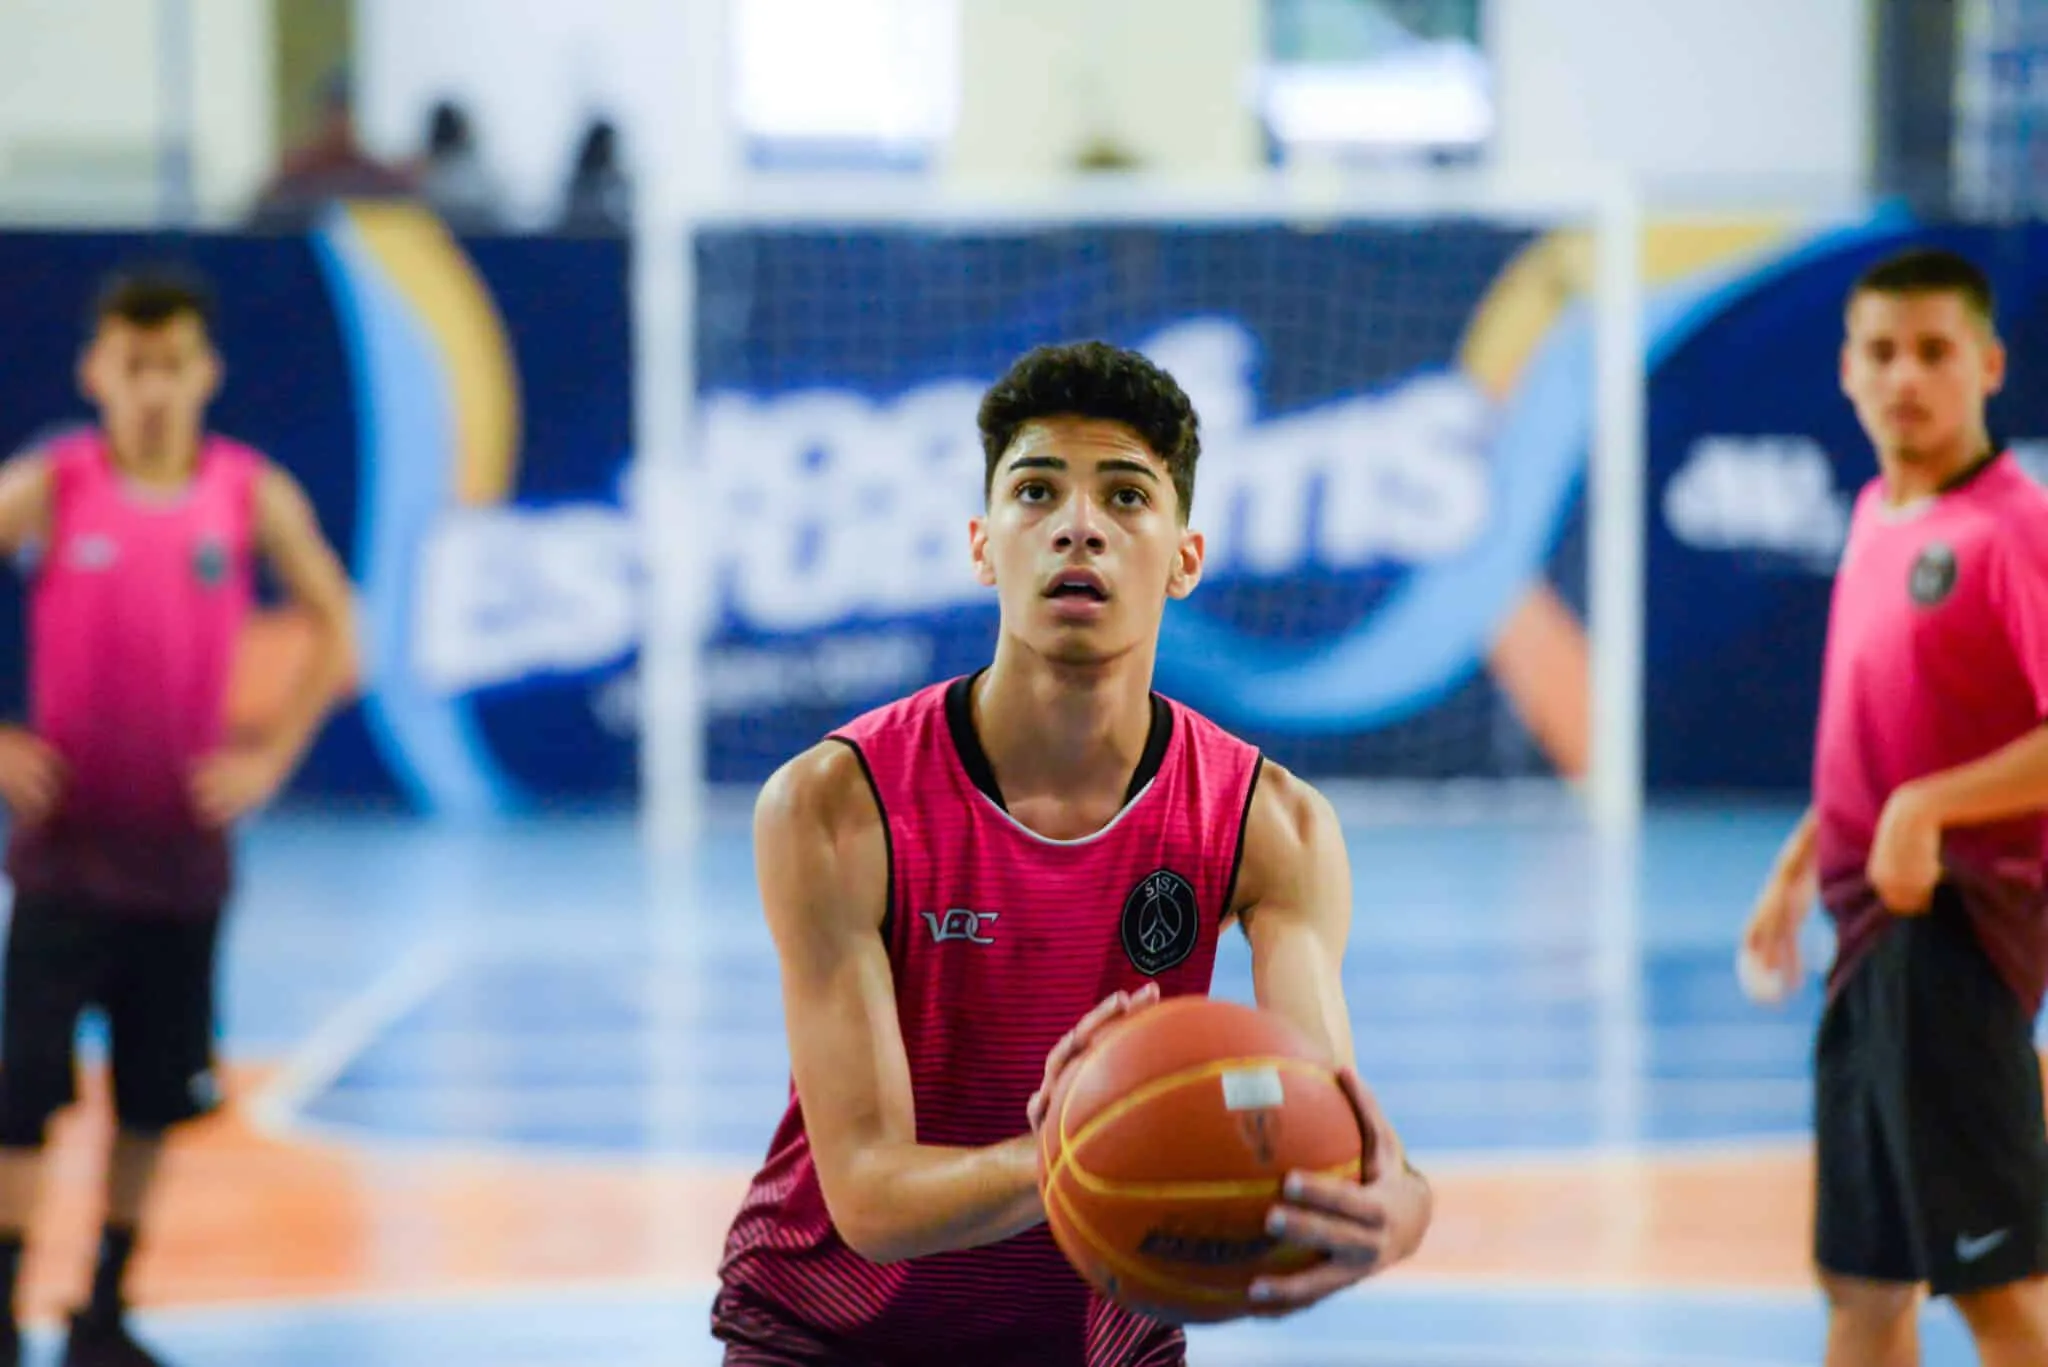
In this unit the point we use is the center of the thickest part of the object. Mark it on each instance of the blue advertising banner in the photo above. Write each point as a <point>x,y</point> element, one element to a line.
<point>460,413</point>
<point>1394,421</point>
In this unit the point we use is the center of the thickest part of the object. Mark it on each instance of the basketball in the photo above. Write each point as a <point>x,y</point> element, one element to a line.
<point>1163,1151</point>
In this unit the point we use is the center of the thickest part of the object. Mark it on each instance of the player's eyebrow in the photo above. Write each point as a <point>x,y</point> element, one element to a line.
<point>1128,466</point>
<point>1118,463</point>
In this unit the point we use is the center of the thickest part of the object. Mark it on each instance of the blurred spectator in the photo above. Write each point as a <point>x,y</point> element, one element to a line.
<point>599,197</point>
<point>332,165</point>
<point>453,176</point>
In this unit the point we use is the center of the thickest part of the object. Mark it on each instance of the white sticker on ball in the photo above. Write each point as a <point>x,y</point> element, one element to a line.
<point>1252,1089</point>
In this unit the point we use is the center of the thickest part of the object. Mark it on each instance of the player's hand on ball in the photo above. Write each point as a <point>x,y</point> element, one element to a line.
<point>31,775</point>
<point>1073,1045</point>
<point>229,784</point>
<point>1905,855</point>
<point>1363,1227</point>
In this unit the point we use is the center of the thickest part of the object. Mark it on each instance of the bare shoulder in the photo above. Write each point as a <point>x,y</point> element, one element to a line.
<point>824,790</point>
<point>281,502</point>
<point>818,840</point>
<point>1287,808</point>
<point>1289,826</point>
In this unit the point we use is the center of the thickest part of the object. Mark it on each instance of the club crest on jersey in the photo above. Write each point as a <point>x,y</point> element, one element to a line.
<point>210,561</point>
<point>1934,574</point>
<point>1161,922</point>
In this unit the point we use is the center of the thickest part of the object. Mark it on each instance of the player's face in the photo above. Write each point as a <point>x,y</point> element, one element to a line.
<point>151,384</point>
<point>1918,368</point>
<point>1083,540</point>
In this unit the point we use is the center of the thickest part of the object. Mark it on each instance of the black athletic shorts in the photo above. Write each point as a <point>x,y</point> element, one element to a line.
<point>153,977</point>
<point>1930,1137</point>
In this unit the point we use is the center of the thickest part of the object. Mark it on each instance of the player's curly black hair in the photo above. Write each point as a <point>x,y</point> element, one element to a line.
<point>1095,380</point>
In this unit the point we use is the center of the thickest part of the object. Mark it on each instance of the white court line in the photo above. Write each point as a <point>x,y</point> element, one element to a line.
<point>341,1038</point>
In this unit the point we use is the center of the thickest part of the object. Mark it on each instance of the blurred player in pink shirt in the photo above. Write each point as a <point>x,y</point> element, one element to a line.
<point>1925,844</point>
<point>122,787</point>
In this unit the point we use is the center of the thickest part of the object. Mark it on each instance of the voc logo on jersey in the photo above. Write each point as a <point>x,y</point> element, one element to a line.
<point>1161,922</point>
<point>960,924</point>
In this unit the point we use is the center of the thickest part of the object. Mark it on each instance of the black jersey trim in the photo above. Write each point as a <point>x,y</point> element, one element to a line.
<point>1244,824</point>
<point>966,744</point>
<point>1970,472</point>
<point>982,774</point>
<point>1154,757</point>
<point>888,841</point>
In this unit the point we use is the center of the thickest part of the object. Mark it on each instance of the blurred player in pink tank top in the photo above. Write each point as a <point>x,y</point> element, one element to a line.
<point>965,886</point>
<point>1925,843</point>
<point>143,534</point>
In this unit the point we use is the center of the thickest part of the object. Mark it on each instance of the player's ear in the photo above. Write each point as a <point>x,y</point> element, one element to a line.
<point>87,371</point>
<point>1187,564</point>
<point>1994,366</point>
<point>977,548</point>
<point>212,371</point>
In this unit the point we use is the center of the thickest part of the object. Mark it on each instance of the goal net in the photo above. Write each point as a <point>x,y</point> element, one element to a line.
<point>1398,410</point>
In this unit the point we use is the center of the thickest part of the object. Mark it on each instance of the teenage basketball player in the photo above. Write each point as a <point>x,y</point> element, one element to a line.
<point>125,782</point>
<point>1925,841</point>
<point>965,886</point>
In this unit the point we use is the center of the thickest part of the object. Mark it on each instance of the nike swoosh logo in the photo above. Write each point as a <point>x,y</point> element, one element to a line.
<point>1970,1250</point>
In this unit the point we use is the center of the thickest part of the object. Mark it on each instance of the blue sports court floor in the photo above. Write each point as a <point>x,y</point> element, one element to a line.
<point>498,1090</point>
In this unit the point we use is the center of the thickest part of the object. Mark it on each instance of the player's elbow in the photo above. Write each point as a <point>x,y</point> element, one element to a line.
<point>867,1221</point>
<point>877,1243</point>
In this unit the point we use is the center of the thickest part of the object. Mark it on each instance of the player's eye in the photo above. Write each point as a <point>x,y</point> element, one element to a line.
<point>1033,491</point>
<point>1129,496</point>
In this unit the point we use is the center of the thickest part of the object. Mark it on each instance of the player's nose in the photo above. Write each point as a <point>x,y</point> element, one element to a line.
<point>1078,524</point>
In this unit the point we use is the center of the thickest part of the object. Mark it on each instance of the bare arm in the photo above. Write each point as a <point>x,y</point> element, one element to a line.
<point>823,868</point>
<point>1795,856</point>
<point>24,501</point>
<point>289,536</point>
<point>2010,781</point>
<point>1295,897</point>
<point>1294,890</point>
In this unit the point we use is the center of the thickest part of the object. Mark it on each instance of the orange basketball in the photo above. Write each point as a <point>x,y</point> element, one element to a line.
<point>1164,1150</point>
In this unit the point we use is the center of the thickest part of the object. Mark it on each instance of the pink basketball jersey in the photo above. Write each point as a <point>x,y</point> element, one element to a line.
<point>135,613</point>
<point>1937,655</point>
<point>999,941</point>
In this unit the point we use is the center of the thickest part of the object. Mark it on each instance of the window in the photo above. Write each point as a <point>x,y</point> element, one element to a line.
<point>845,83</point>
<point>1386,78</point>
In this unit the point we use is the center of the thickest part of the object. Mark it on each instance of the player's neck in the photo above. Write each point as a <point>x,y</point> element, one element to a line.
<point>167,467</point>
<point>1056,729</point>
<point>1915,476</point>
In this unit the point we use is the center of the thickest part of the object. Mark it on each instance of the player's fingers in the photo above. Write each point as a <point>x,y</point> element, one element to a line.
<point>1346,1240</point>
<point>1372,1122</point>
<point>1113,1008</point>
<point>1319,1193</point>
<point>1298,1291</point>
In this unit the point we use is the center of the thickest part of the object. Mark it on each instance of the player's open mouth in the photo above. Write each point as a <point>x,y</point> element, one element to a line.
<point>1083,585</point>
